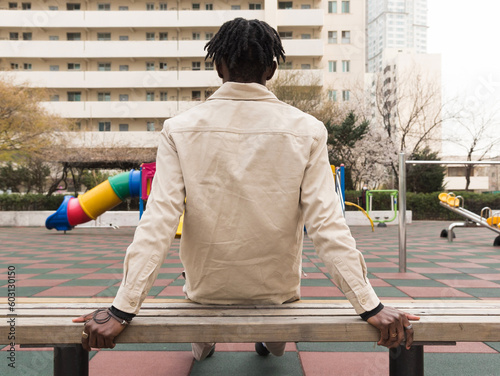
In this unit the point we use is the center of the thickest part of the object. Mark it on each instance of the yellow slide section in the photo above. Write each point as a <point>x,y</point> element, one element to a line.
<point>98,200</point>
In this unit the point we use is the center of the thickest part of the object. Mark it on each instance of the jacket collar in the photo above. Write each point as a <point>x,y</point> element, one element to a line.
<point>243,91</point>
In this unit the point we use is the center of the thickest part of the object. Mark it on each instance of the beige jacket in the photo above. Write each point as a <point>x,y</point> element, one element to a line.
<point>254,170</point>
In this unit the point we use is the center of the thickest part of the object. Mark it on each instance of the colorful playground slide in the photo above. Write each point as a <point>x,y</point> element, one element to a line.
<point>74,211</point>
<point>488,218</point>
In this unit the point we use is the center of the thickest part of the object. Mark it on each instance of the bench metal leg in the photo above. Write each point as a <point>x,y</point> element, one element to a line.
<point>71,360</point>
<point>403,362</point>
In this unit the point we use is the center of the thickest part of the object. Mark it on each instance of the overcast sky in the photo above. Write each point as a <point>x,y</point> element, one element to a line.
<point>467,34</point>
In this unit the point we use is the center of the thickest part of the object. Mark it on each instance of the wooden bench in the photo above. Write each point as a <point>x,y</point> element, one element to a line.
<point>175,321</point>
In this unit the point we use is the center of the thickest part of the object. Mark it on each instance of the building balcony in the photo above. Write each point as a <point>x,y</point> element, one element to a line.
<point>132,49</point>
<point>119,110</point>
<point>300,17</point>
<point>112,139</point>
<point>456,183</point>
<point>116,79</point>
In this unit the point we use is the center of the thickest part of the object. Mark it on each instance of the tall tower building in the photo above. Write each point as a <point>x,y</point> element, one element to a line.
<point>122,66</point>
<point>399,24</point>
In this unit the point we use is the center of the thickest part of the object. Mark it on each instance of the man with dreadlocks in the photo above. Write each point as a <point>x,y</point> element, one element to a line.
<point>254,170</point>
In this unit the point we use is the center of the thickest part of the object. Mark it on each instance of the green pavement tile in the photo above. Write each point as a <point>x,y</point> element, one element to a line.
<point>29,363</point>
<point>25,291</point>
<point>178,282</point>
<point>90,266</point>
<point>415,282</point>
<point>110,292</point>
<point>34,270</point>
<point>389,292</point>
<point>111,270</point>
<point>248,364</point>
<point>461,364</point>
<point>56,276</point>
<point>477,270</point>
<point>447,276</point>
<point>176,265</point>
<point>482,292</point>
<point>422,265</point>
<point>310,269</point>
<point>444,298</point>
<point>341,347</point>
<point>155,290</point>
<point>151,347</point>
<point>175,275</point>
<point>91,282</point>
<point>383,270</point>
<point>322,298</point>
<point>494,345</point>
<point>316,282</point>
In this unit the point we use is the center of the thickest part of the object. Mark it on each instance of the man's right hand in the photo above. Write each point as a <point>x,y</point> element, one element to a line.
<point>99,335</point>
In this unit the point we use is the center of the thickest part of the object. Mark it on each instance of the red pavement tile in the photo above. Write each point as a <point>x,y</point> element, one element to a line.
<point>462,347</point>
<point>469,283</point>
<point>18,348</point>
<point>320,291</point>
<point>172,291</point>
<point>460,265</point>
<point>379,283</point>
<point>40,282</point>
<point>483,261</point>
<point>344,364</point>
<point>399,276</point>
<point>433,292</point>
<point>163,282</point>
<point>133,363</point>
<point>488,277</point>
<point>72,291</point>
<point>434,270</point>
<point>432,257</point>
<point>247,347</point>
<point>22,276</point>
<point>314,276</point>
<point>456,253</point>
<point>102,276</point>
<point>171,270</point>
<point>381,265</point>
<point>45,266</point>
<point>98,261</point>
<point>74,271</point>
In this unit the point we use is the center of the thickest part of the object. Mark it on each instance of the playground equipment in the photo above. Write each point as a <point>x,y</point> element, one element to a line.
<point>394,205</point>
<point>488,218</point>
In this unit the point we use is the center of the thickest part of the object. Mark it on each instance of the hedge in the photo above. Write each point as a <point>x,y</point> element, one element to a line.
<point>425,206</point>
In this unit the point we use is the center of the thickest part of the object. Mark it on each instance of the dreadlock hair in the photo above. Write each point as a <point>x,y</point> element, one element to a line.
<point>248,48</point>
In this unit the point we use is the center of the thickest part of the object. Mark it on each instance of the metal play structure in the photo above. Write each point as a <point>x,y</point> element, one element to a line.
<point>394,205</point>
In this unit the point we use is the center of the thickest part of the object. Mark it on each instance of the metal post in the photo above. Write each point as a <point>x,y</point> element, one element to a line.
<point>402,213</point>
<point>403,362</point>
<point>71,360</point>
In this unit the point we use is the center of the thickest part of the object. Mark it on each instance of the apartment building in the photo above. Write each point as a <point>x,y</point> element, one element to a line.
<point>126,66</point>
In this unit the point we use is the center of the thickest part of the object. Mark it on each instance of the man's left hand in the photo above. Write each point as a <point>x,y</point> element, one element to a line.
<point>393,326</point>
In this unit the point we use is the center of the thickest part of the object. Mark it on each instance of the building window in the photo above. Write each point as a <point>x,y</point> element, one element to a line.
<point>12,5</point>
<point>332,95</point>
<point>150,36</point>
<point>123,97</point>
<point>286,34</point>
<point>14,36</point>
<point>163,36</point>
<point>332,7</point>
<point>27,36</point>
<point>346,65</point>
<point>150,66</point>
<point>123,68</point>
<point>150,96</point>
<point>196,36</point>
<point>163,96</point>
<point>53,7</point>
<point>345,95</point>
<point>123,7</point>
<point>209,36</point>
<point>163,66</point>
<point>208,93</point>
<point>103,36</point>
<point>255,6</point>
<point>285,4</point>
<point>74,36</point>
<point>332,66</point>
<point>150,6</point>
<point>163,6</point>
<point>195,65</point>
<point>72,6</point>
<point>14,66</point>
<point>305,36</point>
<point>54,98</point>
<point>209,7</point>
<point>54,68</point>
<point>26,6</point>
<point>305,6</point>
<point>104,126</point>
<point>346,37</point>
<point>123,37</point>
<point>196,6</point>
<point>123,127</point>
<point>286,65</point>
<point>346,6</point>
<point>305,66</point>
<point>53,37</point>
<point>103,7</point>
<point>73,66</point>
<point>235,7</point>
<point>27,66</point>
<point>104,67</point>
<point>150,126</point>
<point>332,37</point>
<point>209,65</point>
<point>196,95</point>
<point>74,96</point>
<point>104,97</point>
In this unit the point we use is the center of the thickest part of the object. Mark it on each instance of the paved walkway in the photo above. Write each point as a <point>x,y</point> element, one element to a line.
<point>88,263</point>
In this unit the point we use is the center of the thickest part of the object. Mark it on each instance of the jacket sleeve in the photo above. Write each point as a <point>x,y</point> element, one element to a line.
<point>328,230</point>
<point>156,229</point>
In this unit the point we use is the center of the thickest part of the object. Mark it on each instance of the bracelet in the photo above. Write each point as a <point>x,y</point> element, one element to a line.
<point>103,315</point>
<point>120,320</point>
